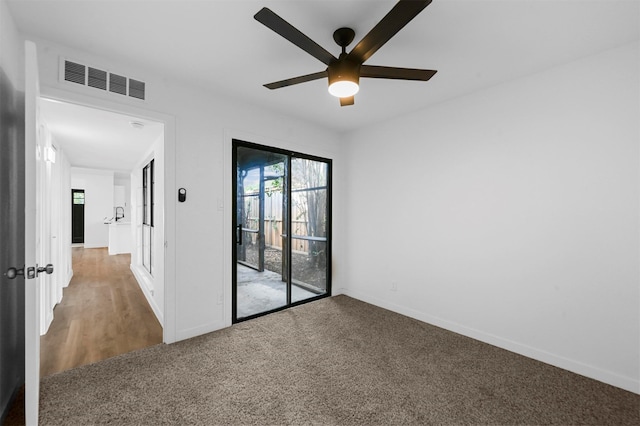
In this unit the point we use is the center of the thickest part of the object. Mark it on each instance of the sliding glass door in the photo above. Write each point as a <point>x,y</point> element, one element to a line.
<point>282,229</point>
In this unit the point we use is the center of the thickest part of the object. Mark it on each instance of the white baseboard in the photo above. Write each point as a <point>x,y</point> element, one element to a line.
<point>68,281</point>
<point>146,285</point>
<point>608,377</point>
<point>198,331</point>
<point>93,246</point>
<point>47,321</point>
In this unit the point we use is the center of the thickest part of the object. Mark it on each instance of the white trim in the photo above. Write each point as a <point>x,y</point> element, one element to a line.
<point>188,333</point>
<point>227,203</point>
<point>47,320</point>
<point>145,282</point>
<point>68,281</point>
<point>31,255</point>
<point>577,367</point>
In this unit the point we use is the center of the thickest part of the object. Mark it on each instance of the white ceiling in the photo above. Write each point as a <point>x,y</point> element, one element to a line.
<point>218,45</point>
<point>99,139</point>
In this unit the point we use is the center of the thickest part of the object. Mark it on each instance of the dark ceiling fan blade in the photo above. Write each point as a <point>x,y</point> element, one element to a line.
<point>296,80</point>
<point>267,17</point>
<point>403,12</point>
<point>347,101</point>
<point>373,71</point>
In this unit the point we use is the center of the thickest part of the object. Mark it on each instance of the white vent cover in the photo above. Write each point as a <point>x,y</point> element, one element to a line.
<point>97,78</point>
<point>136,88</point>
<point>118,84</point>
<point>77,73</point>
<point>74,73</point>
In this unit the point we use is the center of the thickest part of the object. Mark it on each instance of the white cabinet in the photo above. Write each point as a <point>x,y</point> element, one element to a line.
<point>119,237</point>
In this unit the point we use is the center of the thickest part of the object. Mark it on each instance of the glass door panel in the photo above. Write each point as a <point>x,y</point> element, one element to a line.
<point>309,224</point>
<point>260,285</point>
<point>249,250</point>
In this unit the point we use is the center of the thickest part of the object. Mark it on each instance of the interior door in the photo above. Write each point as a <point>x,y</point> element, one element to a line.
<point>33,169</point>
<point>282,225</point>
<point>11,241</point>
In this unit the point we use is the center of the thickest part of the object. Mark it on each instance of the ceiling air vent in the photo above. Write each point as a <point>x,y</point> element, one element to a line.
<point>97,78</point>
<point>117,84</point>
<point>136,88</point>
<point>75,72</point>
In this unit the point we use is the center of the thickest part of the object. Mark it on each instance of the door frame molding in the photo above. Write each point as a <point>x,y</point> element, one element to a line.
<point>57,94</point>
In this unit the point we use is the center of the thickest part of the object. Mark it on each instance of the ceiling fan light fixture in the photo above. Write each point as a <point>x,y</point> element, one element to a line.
<point>344,78</point>
<point>344,88</point>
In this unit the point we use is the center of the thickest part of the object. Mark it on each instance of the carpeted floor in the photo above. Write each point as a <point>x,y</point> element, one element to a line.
<point>337,361</point>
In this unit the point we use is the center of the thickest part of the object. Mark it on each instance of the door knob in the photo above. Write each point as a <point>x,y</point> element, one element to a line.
<point>48,269</point>
<point>14,272</point>
<point>31,272</point>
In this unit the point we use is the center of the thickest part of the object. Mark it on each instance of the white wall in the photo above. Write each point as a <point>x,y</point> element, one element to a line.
<point>98,199</point>
<point>198,287</point>
<point>511,215</point>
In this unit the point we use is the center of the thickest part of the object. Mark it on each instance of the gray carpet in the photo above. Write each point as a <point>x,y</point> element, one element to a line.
<point>334,361</point>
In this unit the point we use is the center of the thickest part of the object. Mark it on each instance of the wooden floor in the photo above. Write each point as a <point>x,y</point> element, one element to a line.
<point>103,314</point>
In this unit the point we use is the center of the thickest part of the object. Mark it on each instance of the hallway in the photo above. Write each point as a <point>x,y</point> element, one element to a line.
<point>103,314</point>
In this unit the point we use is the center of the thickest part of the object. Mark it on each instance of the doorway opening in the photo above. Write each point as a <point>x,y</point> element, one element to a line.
<point>282,226</point>
<point>101,157</point>
<point>77,216</point>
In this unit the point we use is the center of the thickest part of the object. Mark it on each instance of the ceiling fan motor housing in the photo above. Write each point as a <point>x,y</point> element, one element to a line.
<point>344,70</point>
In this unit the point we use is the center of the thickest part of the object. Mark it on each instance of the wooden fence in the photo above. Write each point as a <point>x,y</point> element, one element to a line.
<point>273,230</point>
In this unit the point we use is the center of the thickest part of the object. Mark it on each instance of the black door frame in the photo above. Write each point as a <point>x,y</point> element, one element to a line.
<point>236,143</point>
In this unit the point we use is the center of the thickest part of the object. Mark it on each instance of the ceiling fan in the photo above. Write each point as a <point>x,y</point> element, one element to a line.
<point>345,71</point>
